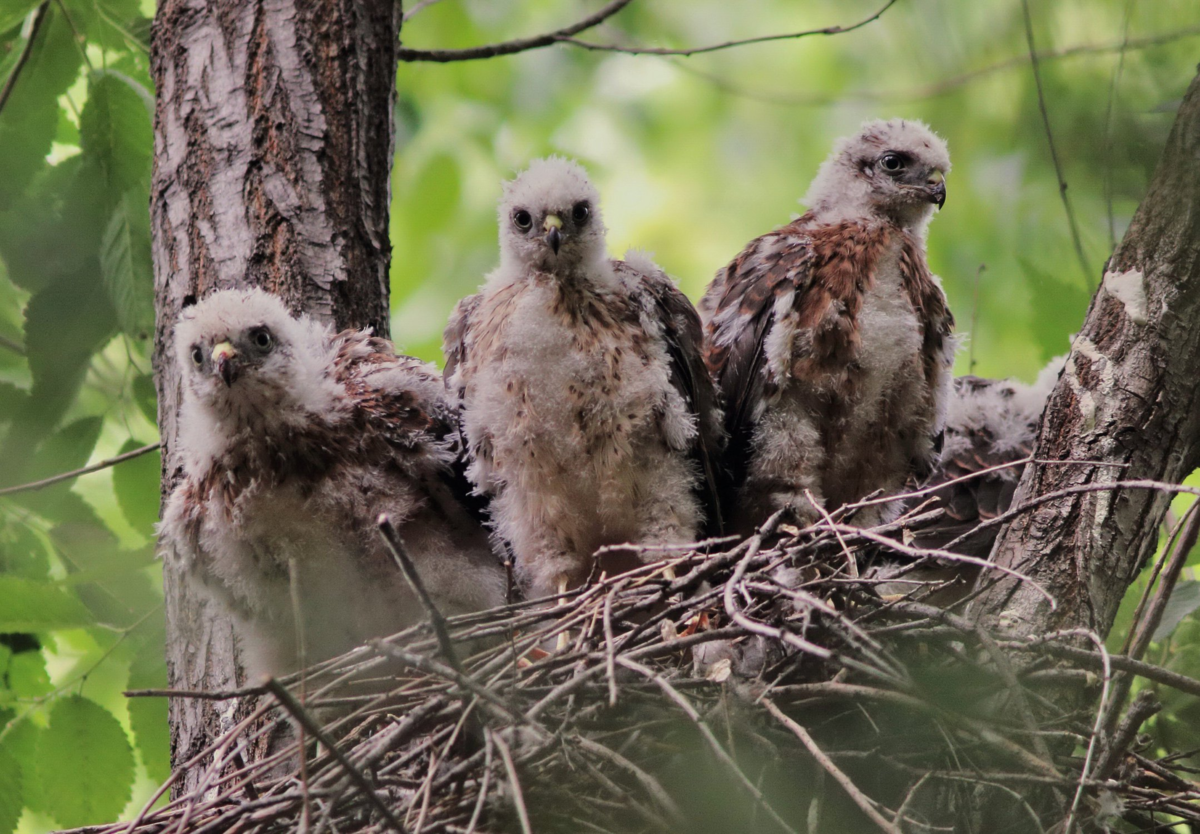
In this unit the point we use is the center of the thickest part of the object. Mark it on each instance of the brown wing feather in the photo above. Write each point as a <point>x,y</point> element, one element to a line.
<point>454,338</point>
<point>684,335</point>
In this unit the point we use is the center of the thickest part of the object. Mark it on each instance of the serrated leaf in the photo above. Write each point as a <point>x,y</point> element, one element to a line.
<point>84,762</point>
<point>1185,598</point>
<point>115,132</point>
<point>27,675</point>
<point>125,264</point>
<point>26,605</point>
<point>29,120</point>
<point>136,483</point>
<point>148,716</point>
<point>12,797</point>
<point>105,22</point>
<point>20,740</point>
<point>65,324</point>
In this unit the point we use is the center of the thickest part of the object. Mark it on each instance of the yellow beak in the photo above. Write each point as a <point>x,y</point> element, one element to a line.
<point>553,221</point>
<point>935,178</point>
<point>223,350</point>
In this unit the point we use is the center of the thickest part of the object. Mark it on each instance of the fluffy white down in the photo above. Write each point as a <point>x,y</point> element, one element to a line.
<point>295,385</point>
<point>1007,411</point>
<point>317,525</point>
<point>839,191</point>
<point>577,432</point>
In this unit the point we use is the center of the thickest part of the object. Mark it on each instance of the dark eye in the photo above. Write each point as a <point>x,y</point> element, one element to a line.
<point>580,213</point>
<point>523,220</point>
<point>262,339</point>
<point>891,162</point>
<point>197,356</point>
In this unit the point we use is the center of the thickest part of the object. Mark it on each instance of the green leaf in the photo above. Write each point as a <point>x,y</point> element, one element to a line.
<point>84,762</point>
<point>65,451</point>
<point>1053,298</point>
<point>1184,599</point>
<point>20,742</point>
<point>125,264</point>
<point>24,553</point>
<point>115,131</point>
<point>29,121</point>
<point>64,325</point>
<point>27,674</point>
<point>136,483</point>
<point>14,12</point>
<point>106,23</point>
<point>12,798</point>
<point>148,716</point>
<point>146,397</point>
<point>26,605</point>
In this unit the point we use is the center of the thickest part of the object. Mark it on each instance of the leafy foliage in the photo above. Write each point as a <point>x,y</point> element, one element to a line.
<point>693,157</point>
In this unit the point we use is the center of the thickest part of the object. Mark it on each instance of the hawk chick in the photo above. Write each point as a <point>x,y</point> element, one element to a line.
<point>293,441</point>
<point>830,338</point>
<point>589,416</point>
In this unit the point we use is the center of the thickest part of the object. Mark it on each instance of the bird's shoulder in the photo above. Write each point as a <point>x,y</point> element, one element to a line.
<point>389,392</point>
<point>670,314</point>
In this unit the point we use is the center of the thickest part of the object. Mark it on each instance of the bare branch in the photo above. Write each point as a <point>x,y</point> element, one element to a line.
<point>860,798</point>
<point>75,473</point>
<point>445,56</point>
<point>360,781</point>
<point>12,345</point>
<point>1058,171</point>
<point>717,47</point>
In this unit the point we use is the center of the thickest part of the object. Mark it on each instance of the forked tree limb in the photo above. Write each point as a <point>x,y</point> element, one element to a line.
<point>1129,396</point>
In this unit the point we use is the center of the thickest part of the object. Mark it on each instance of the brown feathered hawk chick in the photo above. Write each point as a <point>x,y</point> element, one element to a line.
<point>293,440</point>
<point>830,338</point>
<point>589,416</point>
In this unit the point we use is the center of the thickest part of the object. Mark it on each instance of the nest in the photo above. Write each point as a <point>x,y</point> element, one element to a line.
<point>760,685</point>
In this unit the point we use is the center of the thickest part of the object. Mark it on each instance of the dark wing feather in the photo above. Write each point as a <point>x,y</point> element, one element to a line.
<point>684,337</point>
<point>739,307</point>
<point>455,336</point>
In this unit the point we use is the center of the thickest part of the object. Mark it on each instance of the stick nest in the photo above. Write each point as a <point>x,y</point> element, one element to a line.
<point>775,685</point>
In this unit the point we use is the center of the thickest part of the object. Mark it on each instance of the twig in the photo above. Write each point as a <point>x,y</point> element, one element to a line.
<point>517,794</point>
<point>1085,771</point>
<point>860,799</point>
<point>417,9</point>
<point>716,47</point>
<point>224,695</point>
<point>1058,171</point>
<point>13,345</point>
<point>75,473</point>
<point>443,56</point>
<point>10,83</point>
<point>1143,707</point>
<point>674,694</point>
<point>360,781</point>
<point>405,563</point>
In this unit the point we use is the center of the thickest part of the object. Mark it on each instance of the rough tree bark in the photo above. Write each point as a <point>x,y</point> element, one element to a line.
<point>272,158</point>
<point>1129,396</point>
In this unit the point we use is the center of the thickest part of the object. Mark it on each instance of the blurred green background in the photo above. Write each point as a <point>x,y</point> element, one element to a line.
<point>693,157</point>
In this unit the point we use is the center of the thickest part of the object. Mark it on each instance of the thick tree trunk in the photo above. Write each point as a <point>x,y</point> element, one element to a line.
<point>273,148</point>
<point>1129,396</point>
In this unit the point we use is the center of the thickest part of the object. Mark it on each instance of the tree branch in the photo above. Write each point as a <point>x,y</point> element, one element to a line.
<point>1127,395</point>
<point>445,56</point>
<point>75,473</point>
<point>717,47</point>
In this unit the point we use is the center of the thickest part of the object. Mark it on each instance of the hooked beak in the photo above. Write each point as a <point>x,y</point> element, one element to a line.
<point>936,187</point>
<point>552,226</point>
<point>223,356</point>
